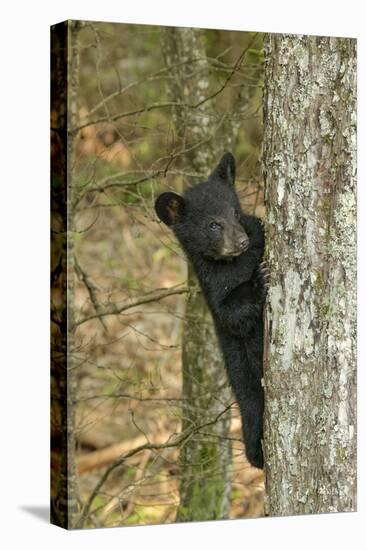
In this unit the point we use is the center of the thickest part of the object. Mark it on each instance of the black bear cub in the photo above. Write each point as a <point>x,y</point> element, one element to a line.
<point>225,247</point>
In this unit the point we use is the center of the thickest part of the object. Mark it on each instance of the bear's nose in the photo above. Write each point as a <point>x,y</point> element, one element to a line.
<point>243,243</point>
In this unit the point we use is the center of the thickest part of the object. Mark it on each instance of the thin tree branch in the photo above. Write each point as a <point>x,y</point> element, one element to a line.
<point>150,173</point>
<point>164,105</point>
<point>161,172</point>
<point>91,288</point>
<point>175,441</point>
<point>153,296</point>
<point>229,77</point>
<point>126,114</point>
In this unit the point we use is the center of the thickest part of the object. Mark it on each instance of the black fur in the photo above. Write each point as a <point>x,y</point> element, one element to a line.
<point>225,247</point>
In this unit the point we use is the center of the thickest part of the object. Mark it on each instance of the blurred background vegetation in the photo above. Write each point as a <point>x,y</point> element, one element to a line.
<point>126,149</point>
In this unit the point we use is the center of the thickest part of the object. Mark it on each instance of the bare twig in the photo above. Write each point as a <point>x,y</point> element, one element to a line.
<point>229,77</point>
<point>126,114</point>
<point>150,173</point>
<point>91,288</point>
<point>166,104</point>
<point>162,172</point>
<point>214,62</point>
<point>153,296</point>
<point>174,441</point>
<point>130,397</point>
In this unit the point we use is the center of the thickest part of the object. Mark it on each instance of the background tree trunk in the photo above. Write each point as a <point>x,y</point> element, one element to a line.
<point>205,488</point>
<point>310,360</point>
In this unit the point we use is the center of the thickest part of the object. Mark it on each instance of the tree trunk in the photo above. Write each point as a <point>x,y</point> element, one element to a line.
<point>205,488</point>
<point>309,162</point>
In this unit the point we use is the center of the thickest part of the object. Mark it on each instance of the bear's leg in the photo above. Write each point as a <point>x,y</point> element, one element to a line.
<point>245,378</point>
<point>251,403</point>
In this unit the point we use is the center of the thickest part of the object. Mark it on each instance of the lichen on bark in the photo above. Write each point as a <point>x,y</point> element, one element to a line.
<point>309,162</point>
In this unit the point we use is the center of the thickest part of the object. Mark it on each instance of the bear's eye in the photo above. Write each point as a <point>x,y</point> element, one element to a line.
<point>214,226</point>
<point>237,214</point>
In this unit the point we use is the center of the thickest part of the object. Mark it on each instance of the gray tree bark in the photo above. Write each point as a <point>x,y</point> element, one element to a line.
<point>309,163</point>
<point>205,487</point>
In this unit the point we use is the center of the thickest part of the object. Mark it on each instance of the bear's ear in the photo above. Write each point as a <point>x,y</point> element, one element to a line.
<point>225,170</point>
<point>170,208</point>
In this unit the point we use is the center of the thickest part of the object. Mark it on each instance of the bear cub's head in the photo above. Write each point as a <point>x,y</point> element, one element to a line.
<point>207,219</point>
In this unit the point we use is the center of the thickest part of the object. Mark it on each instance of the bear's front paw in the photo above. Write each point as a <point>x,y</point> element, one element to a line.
<point>264,272</point>
<point>260,282</point>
